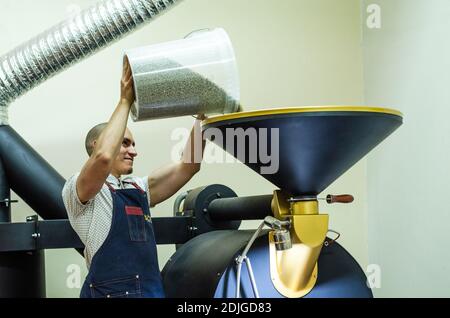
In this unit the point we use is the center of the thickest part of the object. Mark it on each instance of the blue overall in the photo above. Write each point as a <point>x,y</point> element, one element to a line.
<point>126,265</point>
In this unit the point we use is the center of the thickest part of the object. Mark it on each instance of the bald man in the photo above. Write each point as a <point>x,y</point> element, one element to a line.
<point>109,209</point>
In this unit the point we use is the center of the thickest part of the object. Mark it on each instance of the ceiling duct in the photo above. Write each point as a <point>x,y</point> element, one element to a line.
<point>69,42</point>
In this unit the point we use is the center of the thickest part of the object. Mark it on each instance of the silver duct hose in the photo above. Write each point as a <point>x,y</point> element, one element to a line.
<point>69,42</point>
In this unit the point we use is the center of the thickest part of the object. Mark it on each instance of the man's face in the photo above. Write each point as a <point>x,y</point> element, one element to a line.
<point>123,165</point>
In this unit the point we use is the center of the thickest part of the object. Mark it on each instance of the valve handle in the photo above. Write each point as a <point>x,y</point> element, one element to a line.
<point>342,198</point>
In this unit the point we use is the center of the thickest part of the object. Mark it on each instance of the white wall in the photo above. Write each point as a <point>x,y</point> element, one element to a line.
<point>290,53</point>
<point>406,66</point>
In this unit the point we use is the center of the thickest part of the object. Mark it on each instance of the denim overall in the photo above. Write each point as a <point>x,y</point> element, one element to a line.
<point>126,265</point>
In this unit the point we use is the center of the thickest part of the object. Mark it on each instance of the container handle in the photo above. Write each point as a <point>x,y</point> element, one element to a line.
<point>197,31</point>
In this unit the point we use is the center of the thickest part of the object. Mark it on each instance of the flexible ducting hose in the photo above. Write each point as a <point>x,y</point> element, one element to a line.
<point>69,42</point>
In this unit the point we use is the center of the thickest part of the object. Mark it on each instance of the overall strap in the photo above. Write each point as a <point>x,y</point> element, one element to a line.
<point>110,187</point>
<point>136,186</point>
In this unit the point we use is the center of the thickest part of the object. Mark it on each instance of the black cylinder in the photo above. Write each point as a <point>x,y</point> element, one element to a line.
<point>205,267</point>
<point>30,176</point>
<point>241,208</point>
<point>5,195</point>
<point>22,274</point>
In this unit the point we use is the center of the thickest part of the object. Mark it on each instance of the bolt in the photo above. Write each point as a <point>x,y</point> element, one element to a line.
<point>36,235</point>
<point>205,210</point>
<point>218,195</point>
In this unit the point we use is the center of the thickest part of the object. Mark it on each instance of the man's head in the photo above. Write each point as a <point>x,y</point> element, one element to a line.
<point>123,164</point>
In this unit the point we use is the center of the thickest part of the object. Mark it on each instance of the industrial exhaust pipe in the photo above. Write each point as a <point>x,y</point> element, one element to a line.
<point>39,59</point>
<point>69,42</point>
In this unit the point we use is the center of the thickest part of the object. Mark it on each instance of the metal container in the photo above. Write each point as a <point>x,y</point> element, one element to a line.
<point>195,75</point>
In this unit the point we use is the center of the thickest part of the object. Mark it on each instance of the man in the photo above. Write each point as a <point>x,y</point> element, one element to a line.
<point>111,214</point>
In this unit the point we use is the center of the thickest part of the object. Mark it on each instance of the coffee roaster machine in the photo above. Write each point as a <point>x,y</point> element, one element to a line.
<point>291,254</point>
<point>294,257</point>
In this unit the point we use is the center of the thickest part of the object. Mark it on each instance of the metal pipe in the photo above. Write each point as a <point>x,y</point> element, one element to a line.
<point>176,206</point>
<point>69,42</point>
<point>22,274</point>
<point>241,208</point>
<point>30,176</point>
<point>5,195</point>
<point>241,258</point>
<point>252,277</point>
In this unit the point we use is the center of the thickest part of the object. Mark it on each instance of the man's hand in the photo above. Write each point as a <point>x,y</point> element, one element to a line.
<point>126,84</point>
<point>201,117</point>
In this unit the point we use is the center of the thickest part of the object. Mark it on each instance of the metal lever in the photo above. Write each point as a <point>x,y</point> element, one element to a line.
<point>341,198</point>
<point>8,201</point>
<point>329,241</point>
<point>274,223</point>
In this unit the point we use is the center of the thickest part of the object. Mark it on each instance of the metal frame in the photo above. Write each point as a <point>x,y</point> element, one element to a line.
<point>5,195</point>
<point>56,234</point>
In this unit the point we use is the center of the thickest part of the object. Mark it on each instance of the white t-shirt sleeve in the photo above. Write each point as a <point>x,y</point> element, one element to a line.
<point>80,215</point>
<point>71,201</point>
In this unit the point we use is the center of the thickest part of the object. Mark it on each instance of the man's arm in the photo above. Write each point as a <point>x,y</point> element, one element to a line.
<point>165,182</point>
<point>95,171</point>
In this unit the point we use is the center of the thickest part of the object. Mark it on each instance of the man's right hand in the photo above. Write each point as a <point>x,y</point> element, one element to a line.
<point>126,84</point>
